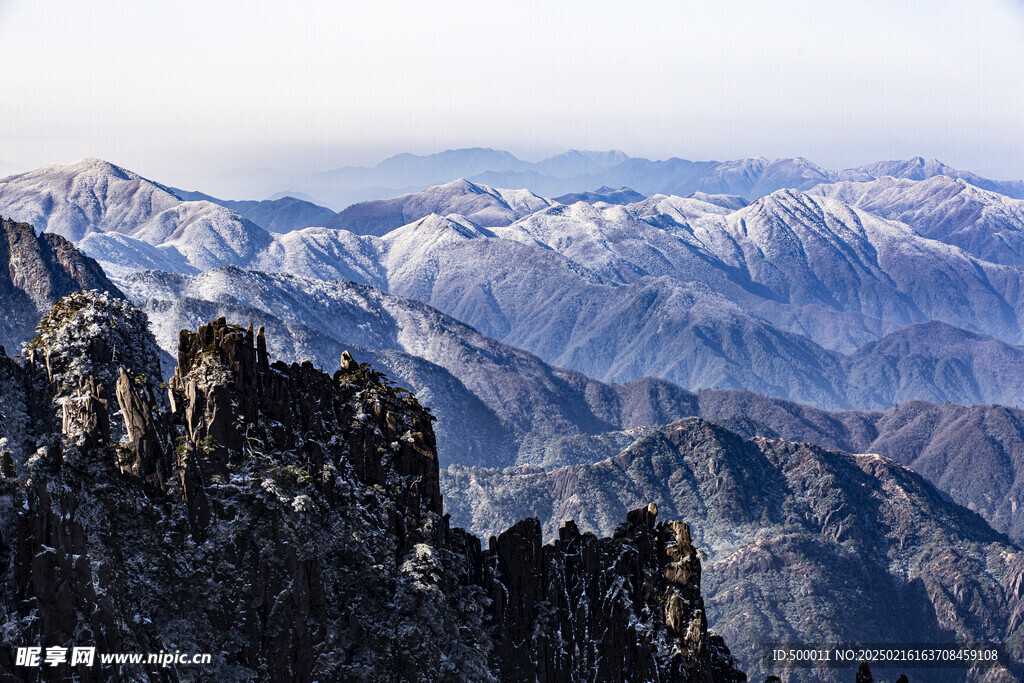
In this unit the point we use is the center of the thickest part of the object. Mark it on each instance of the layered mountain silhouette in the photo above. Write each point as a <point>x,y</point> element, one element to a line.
<point>281,214</point>
<point>583,171</point>
<point>558,343</point>
<point>690,290</point>
<point>481,204</point>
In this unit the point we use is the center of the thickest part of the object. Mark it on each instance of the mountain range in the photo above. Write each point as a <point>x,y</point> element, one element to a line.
<point>579,171</point>
<point>794,295</point>
<point>558,343</point>
<point>487,396</point>
<point>789,532</point>
<point>279,214</point>
<point>498,406</point>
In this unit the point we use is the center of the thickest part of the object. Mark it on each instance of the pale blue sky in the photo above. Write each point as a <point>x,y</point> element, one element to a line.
<point>167,88</point>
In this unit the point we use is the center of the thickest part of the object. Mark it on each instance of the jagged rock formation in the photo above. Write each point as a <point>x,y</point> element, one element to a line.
<point>35,271</point>
<point>601,592</point>
<point>291,523</point>
<point>801,544</point>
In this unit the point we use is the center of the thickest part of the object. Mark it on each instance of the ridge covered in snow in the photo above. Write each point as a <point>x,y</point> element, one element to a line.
<point>985,223</point>
<point>94,197</point>
<point>480,203</point>
<point>688,289</point>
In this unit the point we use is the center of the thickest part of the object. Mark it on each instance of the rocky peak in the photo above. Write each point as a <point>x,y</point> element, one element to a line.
<point>291,522</point>
<point>230,395</point>
<point>634,598</point>
<point>85,344</point>
<point>37,270</point>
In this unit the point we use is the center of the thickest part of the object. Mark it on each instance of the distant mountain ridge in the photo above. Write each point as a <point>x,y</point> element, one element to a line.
<point>975,453</point>
<point>579,171</point>
<point>282,214</point>
<point>479,203</point>
<point>609,195</point>
<point>686,289</point>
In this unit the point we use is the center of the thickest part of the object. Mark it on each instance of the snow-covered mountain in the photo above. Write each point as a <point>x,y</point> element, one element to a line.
<point>807,264</point>
<point>94,197</point>
<point>487,396</point>
<point>820,257</point>
<point>686,289</point>
<point>733,202</point>
<point>985,223</point>
<point>278,214</point>
<point>491,399</point>
<point>756,177</point>
<point>578,171</point>
<point>919,168</point>
<point>481,204</point>
<point>75,200</point>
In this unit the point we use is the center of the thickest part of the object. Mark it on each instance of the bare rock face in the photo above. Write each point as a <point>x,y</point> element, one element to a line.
<point>35,271</point>
<point>633,601</point>
<point>291,523</point>
<point>148,458</point>
<point>232,398</point>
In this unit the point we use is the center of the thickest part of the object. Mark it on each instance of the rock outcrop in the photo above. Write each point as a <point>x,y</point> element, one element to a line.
<point>290,523</point>
<point>35,271</point>
<point>628,600</point>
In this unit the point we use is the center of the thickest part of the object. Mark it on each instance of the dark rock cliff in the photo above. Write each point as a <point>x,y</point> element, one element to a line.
<point>35,271</point>
<point>290,523</point>
<point>581,608</point>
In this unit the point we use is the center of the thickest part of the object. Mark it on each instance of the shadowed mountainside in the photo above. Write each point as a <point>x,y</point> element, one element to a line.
<point>802,544</point>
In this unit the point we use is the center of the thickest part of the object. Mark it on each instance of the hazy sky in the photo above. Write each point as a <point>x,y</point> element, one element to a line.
<point>171,88</point>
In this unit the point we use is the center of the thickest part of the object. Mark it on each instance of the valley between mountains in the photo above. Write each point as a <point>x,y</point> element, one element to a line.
<point>819,371</point>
